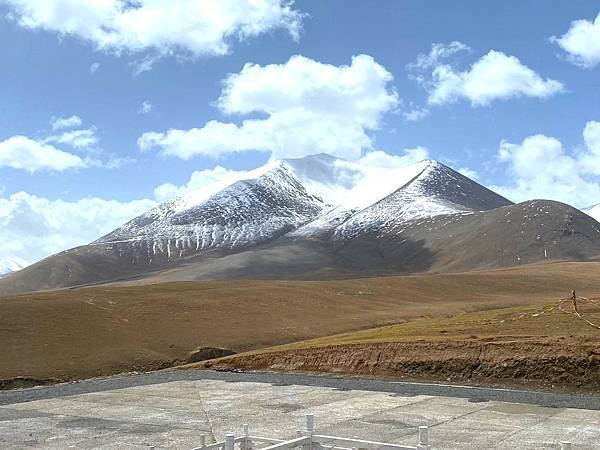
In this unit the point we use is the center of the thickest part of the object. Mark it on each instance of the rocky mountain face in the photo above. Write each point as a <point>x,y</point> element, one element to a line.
<point>317,217</point>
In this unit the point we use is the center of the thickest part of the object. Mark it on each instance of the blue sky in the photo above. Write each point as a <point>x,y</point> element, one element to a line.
<point>512,98</point>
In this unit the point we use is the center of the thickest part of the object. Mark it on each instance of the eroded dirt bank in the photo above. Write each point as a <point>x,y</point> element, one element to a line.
<point>541,363</point>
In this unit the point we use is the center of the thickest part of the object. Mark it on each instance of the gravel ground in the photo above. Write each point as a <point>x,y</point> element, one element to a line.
<point>475,394</point>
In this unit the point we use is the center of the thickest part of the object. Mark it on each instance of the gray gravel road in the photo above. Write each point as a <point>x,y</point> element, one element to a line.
<point>474,394</point>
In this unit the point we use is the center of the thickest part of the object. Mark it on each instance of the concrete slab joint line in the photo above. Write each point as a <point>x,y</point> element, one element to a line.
<point>212,433</point>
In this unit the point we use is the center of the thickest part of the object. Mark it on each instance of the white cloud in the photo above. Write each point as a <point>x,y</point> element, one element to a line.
<point>80,139</point>
<point>94,68</point>
<point>10,264</point>
<point>61,123</point>
<point>469,173</point>
<point>188,27</point>
<point>582,42</point>
<point>312,107</point>
<point>202,182</point>
<point>145,108</point>
<point>540,167</point>
<point>438,53</point>
<point>381,159</point>
<point>33,227</point>
<point>21,152</point>
<point>589,157</point>
<point>495,76</point>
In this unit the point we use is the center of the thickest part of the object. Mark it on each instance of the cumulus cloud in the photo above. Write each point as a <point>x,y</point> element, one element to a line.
<point>582,42</point>
<point>61,123</point>
<point>33,227</point>
<point>188,27</point>
<point>540,167</point>
<point>21,152</point>
<point>494,76</point>
<point>312,107</point>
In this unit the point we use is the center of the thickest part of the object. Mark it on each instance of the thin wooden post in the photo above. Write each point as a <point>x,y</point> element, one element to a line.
<point>423,438</point>
<point>229,441</point>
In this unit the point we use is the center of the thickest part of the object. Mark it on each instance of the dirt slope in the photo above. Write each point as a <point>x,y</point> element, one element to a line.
<point>541,346</point>
<point>78,333</point>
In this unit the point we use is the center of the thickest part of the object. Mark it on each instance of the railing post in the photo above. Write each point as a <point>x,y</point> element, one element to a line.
<point>247,443</point>
<point>310,429</point>
<point>565,445</point>
<point>299,434</point>
<point>229,441</point>
<point>423,438</point>
<point>310,423</point>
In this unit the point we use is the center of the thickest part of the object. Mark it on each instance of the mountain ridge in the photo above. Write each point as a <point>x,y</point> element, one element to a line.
<point>319,215</point>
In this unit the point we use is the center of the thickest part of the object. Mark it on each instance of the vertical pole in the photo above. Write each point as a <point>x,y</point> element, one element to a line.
<point>246,443</point>
<point>310,423</point>
<point>423,438</point>
<point>565,445</point>
<point>229,441</point>
<point>202,441</point>
<point>310,429</point>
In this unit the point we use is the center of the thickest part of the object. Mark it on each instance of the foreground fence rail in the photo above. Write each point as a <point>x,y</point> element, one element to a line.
<point>309,439</point>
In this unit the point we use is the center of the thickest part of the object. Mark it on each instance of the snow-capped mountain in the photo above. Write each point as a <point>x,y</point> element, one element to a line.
<point>11,264</point>
<point>320,214</point>
<point>304,196</point>
<point>246,212</point>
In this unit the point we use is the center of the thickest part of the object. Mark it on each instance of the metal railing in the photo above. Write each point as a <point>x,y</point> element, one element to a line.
<point>308,440</point>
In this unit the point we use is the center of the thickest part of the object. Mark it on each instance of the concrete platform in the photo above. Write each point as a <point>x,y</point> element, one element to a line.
<point>174,415</point>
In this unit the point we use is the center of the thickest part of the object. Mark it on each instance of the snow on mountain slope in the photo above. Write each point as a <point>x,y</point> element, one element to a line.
<point>300,197</point>
<point>348,185</point>
<point>348,188</point>
<point>382,199</point>
<point>593,211</point>
<point>246,212</point>
<point>10,264</point>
